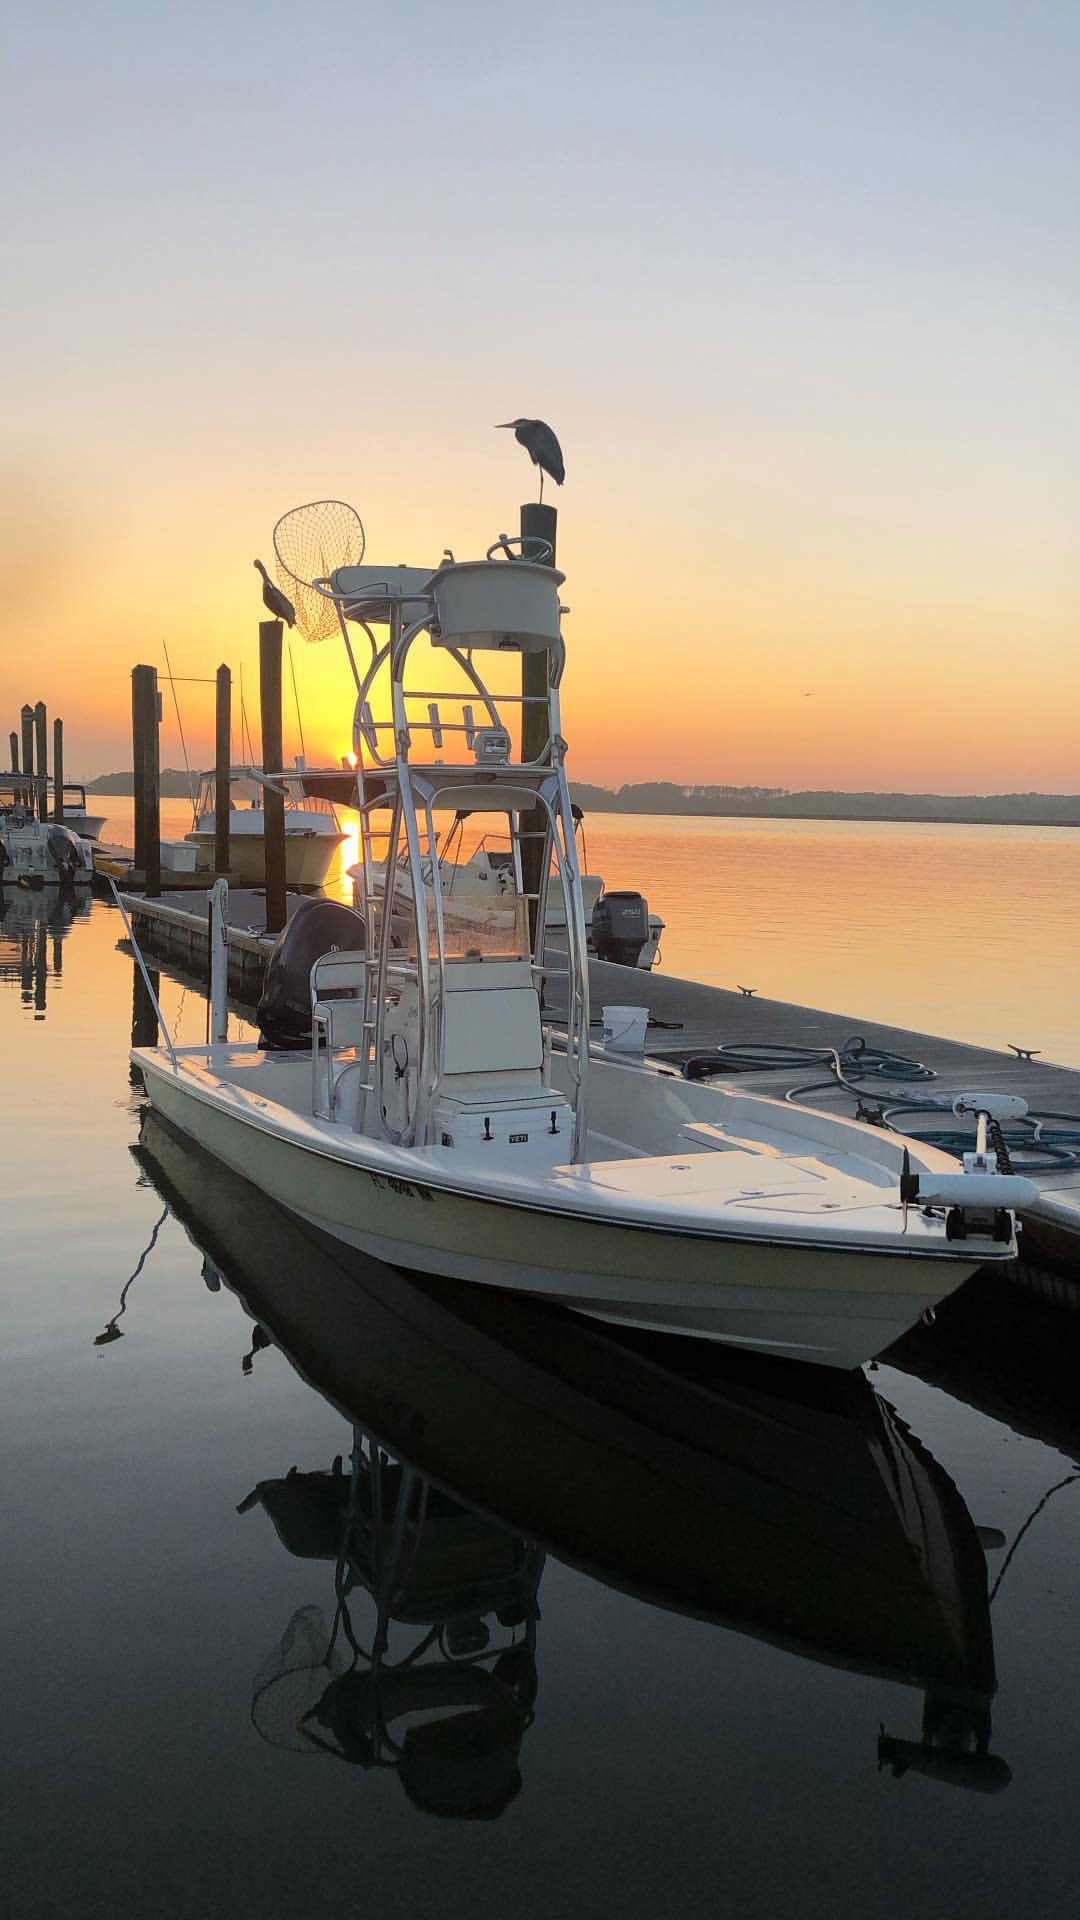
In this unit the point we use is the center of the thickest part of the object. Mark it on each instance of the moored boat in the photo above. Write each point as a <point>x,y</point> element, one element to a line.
<point>312,833</point>
<point>38,853</point>
<point>783,1503</point>
<point>444,1124</point>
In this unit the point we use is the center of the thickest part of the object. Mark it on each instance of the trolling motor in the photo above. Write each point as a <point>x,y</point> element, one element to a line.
<point>981,1200</point>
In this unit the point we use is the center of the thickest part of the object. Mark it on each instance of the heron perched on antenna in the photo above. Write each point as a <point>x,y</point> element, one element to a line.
<point>541,446</point>
<point>274,600</point>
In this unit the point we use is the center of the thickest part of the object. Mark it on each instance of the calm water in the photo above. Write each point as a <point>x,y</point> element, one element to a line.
<point>969,932</point>
<point>633,1645</point>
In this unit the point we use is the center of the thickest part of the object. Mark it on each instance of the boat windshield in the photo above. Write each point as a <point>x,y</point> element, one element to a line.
<point>474,930</point>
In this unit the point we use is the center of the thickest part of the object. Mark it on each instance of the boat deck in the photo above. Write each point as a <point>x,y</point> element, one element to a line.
<point>687,1017</point>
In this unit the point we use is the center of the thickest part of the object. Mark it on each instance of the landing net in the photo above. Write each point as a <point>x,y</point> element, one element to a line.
<point>309,543</point>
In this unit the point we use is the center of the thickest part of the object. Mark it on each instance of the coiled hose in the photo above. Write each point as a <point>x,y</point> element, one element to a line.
<point>1041,1142</point>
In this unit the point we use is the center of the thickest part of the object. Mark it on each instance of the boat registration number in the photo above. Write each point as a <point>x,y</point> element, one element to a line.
<point>408,1189</point>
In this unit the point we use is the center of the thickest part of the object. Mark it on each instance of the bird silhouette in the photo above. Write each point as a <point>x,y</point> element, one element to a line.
<point>541,446</point>
<point>747,992</point>
<point>274,600</point>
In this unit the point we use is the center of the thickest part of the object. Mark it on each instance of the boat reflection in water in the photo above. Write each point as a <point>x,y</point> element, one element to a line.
<point>33,928</point>
<point>489,1430</point>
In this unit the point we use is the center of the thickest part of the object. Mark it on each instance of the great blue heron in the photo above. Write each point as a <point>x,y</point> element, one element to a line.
<point>541,446</point>
<point>274,600</point>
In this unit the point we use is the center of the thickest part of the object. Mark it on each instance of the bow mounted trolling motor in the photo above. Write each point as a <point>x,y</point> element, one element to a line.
<point>981,1200</point>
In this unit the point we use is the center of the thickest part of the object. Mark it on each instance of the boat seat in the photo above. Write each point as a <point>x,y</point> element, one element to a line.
<point>491,1027</point>
<point>338,1016</point>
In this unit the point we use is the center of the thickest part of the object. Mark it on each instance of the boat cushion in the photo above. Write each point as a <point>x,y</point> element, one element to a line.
<point>492,1030</point>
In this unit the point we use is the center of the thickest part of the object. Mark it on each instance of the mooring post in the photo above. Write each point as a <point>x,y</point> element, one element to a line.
<point>58,770</point>
<point>272,755</point>
<point>223,761</point>
<point>41,758</point>
<point>144,749</point>
<point>538,529</point>
<point>218,958</point>
<point>144,1006</point>
<point>27,719</point>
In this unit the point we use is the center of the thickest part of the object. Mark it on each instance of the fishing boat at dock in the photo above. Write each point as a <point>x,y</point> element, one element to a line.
<point>442,1122</point>
<point>312,831</point>
<point>38,853</point>
<point>784,1503</point>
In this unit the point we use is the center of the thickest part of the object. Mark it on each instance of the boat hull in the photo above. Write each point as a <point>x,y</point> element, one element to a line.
<point>801,1302</point>
<point>308,857</point>
<point>87,825</point>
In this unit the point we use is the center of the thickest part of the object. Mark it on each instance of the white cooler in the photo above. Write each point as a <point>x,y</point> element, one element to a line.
<point>521,1128</point>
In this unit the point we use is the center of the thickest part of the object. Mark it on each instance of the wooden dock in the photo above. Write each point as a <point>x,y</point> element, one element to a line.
<point>176,927</point>
<point>118,863</point>
<point>688,1018</point>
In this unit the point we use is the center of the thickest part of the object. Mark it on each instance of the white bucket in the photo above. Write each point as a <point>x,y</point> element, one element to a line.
<point>624,1028</point>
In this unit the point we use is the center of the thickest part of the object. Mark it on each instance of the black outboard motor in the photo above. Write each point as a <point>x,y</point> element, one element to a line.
<point>620,927</point>
<point>65,852</point>
<point>284,1009</point>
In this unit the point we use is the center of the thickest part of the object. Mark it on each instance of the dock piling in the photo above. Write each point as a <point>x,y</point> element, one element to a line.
<point>58,771</point>
<point>272,758</point>
<point>41,758</point>
<point>27,720</point>
<point>539,524</point>
<point>144,746</point>
<point>223,761</point>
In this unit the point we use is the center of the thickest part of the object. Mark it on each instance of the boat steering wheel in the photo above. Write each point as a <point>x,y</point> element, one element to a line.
<point>539,551</point>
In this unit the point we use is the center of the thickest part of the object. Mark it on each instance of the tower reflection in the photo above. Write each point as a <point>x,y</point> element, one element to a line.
<point>428,1663</point>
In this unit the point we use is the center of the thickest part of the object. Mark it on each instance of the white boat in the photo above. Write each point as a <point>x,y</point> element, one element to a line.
<point>440,1126</point>
<point>489,873</point>
<point>76,816</point>
<point>312,832</point>
<point>38,853</point>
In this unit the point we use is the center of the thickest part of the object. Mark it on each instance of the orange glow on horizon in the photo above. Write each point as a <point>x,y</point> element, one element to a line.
<point>733,657</point>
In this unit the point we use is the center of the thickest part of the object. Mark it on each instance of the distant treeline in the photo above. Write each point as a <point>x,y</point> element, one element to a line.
<point>770,803</point>
<point>776,803</point>
<point>175,783</point>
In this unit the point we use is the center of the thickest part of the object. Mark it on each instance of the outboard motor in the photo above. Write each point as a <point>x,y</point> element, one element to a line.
<point>620,927</point>
<point>284,1009</point>
<point>65,852</point>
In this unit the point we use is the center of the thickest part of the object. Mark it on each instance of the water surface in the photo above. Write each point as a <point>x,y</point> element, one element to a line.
<point>696,1596</point>
<point>971,932</point>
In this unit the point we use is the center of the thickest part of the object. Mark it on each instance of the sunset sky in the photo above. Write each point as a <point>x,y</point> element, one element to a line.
<point>797,285</point>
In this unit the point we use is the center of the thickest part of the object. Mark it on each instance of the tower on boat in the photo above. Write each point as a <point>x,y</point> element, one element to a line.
<point>452,1115</point>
